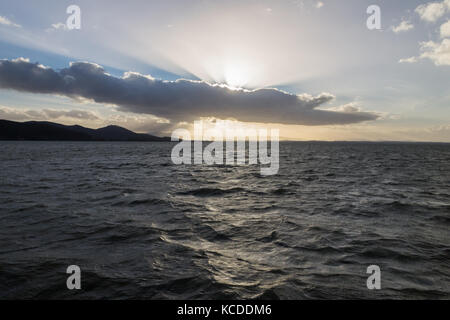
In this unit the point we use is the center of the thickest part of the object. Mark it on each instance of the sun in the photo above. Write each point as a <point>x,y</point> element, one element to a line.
<point>236,75</point>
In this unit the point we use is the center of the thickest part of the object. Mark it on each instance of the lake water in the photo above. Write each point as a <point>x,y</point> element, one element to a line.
<point>140,227</point>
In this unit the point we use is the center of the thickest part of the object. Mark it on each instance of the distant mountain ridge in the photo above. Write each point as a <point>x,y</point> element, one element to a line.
<point>43,130</point>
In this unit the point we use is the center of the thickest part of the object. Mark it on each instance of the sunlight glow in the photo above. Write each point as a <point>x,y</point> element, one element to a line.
<point>236,76</point>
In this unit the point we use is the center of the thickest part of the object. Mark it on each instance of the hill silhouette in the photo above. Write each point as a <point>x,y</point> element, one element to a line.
<point>43,130</point>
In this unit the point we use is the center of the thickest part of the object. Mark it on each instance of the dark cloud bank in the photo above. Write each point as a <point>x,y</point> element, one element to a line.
<point>181,100</point>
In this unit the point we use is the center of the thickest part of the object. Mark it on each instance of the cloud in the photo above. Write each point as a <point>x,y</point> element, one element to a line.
<point>432,11</point>
<point>141,123</point>
<point>180,100</point>
<point>437,52</point>
<point>403,27</point>
<point>348,108</point>
<point>75,114</point>
<point>6,22</point>
<point>319,4</point>
<point>44,114</point>
<point>409,60</point>
<point>57,26</point>
<point>445,30</point>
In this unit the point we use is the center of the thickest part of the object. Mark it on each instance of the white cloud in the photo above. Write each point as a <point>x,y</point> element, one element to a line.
<point>403,27</point>
<point>445,30</point>
<point>349,108</point>
<point>437,52</point>
<point>57,26</point>
<point>319,4</point>
<point>5,21</point>
<point>408,60</point>
<point>432,11</point>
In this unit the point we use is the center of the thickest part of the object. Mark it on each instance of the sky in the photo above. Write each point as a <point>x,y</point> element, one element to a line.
<point>312,69</point>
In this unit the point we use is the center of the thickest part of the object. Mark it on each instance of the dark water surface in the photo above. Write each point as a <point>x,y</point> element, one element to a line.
<point>140,227</point>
